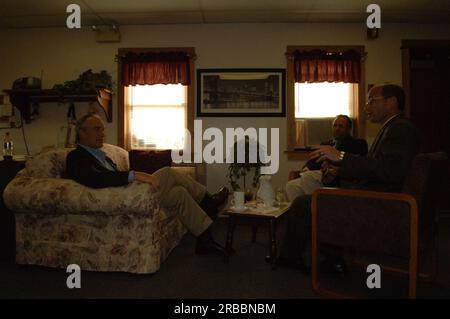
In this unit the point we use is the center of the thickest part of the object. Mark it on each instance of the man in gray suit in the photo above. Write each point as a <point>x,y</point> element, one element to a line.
<point>383,169</point>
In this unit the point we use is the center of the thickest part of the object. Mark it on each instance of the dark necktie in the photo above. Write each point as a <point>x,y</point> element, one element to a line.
<point>375,142</point>
<point>110,165</point>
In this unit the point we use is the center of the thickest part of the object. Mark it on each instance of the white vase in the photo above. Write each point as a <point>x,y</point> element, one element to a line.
<point>265,190</point>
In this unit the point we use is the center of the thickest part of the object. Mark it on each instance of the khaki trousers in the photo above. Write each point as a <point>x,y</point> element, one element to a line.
<point>179,195</point>
<point>305,185</point>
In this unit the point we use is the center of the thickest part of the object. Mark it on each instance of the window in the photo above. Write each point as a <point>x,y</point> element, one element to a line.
<point>318,90</point>
<point>318,100</point>
<point>155,97</point>
<point>158,116</point>
<point>316,106</point>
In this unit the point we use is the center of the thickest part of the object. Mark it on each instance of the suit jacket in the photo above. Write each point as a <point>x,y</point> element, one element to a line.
<point>387,163</point>
<point>348,144</point>
<point>85,169</point>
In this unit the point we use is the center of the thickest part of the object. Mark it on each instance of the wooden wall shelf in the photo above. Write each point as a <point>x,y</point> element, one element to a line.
<point>22,99</point>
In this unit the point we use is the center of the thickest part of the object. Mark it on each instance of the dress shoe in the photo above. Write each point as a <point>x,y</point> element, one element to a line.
<point>220,198</point>
<point>212,203</point>
<point>209,247</point>
<point>291,263</point>
<point>333,265</point>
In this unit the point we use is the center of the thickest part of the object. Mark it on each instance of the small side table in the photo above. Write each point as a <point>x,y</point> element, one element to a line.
<point>255,216</point>
<point>8,170</point>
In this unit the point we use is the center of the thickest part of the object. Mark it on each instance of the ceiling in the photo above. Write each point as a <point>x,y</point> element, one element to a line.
<point>52,13</point>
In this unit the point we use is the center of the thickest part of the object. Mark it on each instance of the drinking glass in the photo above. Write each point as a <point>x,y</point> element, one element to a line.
<point>280,197</point>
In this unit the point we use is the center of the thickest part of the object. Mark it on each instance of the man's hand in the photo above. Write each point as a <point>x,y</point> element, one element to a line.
<point>147,178</point>
<point>325,152</point>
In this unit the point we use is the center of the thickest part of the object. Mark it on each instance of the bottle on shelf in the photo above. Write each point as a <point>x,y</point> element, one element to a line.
<point>12,118</point>
<point>8,147</point>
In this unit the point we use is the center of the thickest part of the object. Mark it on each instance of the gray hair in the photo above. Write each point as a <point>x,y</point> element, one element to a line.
<point>80,123</point>
<point>84,118</point>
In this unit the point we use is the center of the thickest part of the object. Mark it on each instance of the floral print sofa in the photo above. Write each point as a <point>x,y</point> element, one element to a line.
<point>60,222</point>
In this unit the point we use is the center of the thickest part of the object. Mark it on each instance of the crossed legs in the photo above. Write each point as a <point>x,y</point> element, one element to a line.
<point>184,197</point>
<point>181,194</point>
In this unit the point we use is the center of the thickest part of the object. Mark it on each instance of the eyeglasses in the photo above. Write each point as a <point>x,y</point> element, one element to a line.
<point>370,100</point>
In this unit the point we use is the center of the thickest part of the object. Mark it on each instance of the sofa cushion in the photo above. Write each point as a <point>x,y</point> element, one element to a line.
<point>149,161</point>
<point>118,155</point>
<point>50,163</point>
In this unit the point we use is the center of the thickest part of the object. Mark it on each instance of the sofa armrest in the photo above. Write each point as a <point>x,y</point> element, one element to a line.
<point>61,196</point>
<point>365,220</point>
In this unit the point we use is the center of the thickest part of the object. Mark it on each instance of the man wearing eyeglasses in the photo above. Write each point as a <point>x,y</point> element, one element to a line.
<point>398,141</point>
<point>383,169</point>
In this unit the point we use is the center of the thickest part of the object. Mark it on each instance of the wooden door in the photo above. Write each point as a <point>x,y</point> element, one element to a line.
<point>426,79</point>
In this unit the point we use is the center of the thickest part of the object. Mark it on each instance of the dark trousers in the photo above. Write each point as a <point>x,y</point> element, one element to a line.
<point>298,228</point>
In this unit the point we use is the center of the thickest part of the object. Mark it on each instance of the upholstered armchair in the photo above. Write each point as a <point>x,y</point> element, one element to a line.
<point>60,222</point>
<point>398,231</point>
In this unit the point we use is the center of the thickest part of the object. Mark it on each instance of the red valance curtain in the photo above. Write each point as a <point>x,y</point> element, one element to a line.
<point>155,68</point>
<point>322,66</point>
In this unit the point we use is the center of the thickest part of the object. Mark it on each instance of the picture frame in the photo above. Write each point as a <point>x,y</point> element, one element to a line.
<point>241,92</point>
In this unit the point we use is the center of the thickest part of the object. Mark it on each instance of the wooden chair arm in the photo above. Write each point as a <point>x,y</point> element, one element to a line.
<point>369,221</point>
<point>357,218</point>
<point>364,194</point>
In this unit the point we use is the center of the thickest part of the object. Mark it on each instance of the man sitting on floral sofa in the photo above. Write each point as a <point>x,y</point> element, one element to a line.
<point>195,207</point>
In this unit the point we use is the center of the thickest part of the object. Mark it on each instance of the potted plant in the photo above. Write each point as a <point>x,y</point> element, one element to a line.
<point>239,172</point>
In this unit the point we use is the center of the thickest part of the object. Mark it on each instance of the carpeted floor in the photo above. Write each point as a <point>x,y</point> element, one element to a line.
<point>185,275</point>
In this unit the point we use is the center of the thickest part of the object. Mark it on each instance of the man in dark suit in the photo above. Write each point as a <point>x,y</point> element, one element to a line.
<point>342,140</point>
<point>188,199</point>
<point>311,174</point>
<point>383,169</point>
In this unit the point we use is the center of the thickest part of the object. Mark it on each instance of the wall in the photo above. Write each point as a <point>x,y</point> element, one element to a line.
<point>63,54</point>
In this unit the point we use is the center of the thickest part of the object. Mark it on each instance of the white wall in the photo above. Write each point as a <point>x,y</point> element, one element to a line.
<point>63,54</point>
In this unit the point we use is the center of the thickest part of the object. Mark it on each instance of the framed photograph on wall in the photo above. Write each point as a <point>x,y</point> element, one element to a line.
<point>241,92</point>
